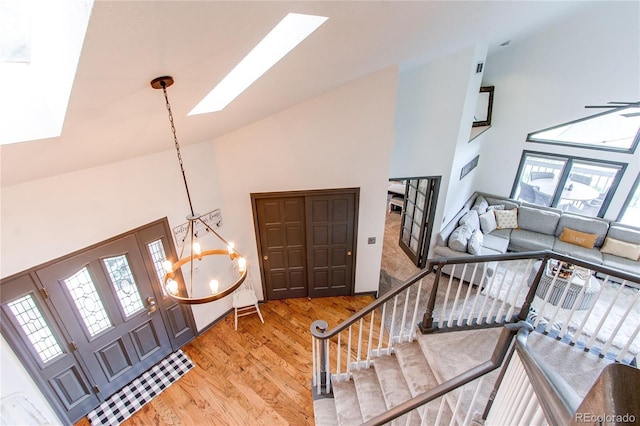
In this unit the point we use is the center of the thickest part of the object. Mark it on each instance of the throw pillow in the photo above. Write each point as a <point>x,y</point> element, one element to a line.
<point>619,248</point>
<point>480,205</point>
<point>495,207</point>
<point>488,222</point>
<point>507,219</point>
<point>475,242</point>
<point>459,238</point>
<point>578,238</point>
<point>470,219</point>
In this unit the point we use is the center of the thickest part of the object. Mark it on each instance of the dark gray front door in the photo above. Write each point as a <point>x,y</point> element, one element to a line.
<point>105,299</point>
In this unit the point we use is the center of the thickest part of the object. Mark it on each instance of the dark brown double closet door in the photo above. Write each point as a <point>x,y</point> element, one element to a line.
<point>307,242</point>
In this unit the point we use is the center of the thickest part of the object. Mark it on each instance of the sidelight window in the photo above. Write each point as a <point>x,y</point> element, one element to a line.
<point>35,327</point>
<point>158,255</point>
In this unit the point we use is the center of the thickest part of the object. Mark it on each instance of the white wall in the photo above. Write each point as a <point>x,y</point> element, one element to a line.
<point>590,59</point>
<point>338,140</point>
<point>436,102</point>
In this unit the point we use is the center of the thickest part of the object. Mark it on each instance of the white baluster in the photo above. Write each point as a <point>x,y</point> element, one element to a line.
<point>455,301</point>
<point>370,337</point>
<point>414,321</point>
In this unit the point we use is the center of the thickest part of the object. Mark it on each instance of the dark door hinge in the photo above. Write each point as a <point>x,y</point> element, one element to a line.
<point>73,345</point>
<point>44,292</point>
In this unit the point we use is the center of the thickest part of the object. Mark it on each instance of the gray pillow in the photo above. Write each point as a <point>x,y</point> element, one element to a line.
<point>488,222</point>
<point>495,207</point>
<point>475,242</point>
<point>480,205</point>
<point>537,220</point>
<point>470,219</point>
<point>459,238</point>
<point>590,225</point>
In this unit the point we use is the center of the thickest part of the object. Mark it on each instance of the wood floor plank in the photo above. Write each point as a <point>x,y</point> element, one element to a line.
<point>257,375</point>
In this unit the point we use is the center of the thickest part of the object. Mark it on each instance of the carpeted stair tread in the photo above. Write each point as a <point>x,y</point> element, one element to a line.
<point>369,393</point>
<point>578,368</point>
<point>324,412</point>
<point>416,369</point>
<point>346,403</point>
<point>450,354</point>
<point>394,387</point>
<point>420,379</point>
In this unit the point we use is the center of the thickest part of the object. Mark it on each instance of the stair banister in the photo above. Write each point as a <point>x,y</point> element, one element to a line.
<point>498,356</point>
<point>558,399</point>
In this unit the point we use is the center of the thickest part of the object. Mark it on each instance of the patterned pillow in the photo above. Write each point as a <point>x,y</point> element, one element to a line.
<point>507,219</point>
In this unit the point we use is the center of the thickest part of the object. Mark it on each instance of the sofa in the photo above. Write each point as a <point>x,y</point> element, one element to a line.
<point>489,224</point>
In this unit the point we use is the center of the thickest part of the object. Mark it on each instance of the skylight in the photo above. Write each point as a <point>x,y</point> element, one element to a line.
<point>281,40</point>
<point>615,130</point>
<point>41,44</point>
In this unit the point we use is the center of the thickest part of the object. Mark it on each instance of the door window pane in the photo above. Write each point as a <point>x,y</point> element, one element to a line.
<point>35,327</point>
<point>586,187</point>
<point>572,184</point>
<point>124,284</point>
<point>539,178</point>
<point>158,255</point>
<point>85,296</point>
<point>631,212</point>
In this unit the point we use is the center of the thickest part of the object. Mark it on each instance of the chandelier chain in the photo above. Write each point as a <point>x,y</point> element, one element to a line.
<point>177,145</point>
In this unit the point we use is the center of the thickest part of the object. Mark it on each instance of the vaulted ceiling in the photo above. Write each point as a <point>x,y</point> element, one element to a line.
<point>113,113</point>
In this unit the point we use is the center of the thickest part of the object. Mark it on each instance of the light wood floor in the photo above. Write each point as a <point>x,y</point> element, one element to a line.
<point>260,374</point>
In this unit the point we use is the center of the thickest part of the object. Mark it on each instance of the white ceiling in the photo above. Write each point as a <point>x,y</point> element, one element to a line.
<point>114,114</point>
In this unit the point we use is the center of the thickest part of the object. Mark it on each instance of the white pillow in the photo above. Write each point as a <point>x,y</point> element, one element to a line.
<point>475,243</point>
<point>488,222</point>
<point>507,219</point>
<point>459,238</point>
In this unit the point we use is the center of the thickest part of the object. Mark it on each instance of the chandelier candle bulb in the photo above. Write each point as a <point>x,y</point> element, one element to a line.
<point>230,247</point>
<point>242,264</point>
<point>213,285</point>
<point>172,286</point>
<point>168,266</point>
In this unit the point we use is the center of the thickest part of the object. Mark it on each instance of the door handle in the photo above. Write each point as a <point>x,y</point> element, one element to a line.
<point>265,257</point>
<point>349,253</point>
<point>153,306</point>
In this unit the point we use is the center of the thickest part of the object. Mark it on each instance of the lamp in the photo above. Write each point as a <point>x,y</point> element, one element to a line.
<point>196,254</point>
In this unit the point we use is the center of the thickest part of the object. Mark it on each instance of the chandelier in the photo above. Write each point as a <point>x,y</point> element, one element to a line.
<point>185,294</point>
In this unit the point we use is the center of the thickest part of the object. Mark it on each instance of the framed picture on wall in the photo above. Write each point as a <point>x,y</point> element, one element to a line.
<point>469,166</point>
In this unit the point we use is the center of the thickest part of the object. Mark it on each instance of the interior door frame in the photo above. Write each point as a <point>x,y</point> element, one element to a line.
<point>25,354</point>
<point>305,193</point>
<point>426,229</point>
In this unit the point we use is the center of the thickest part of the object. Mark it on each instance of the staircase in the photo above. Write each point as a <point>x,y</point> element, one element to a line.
<point>430,360</point>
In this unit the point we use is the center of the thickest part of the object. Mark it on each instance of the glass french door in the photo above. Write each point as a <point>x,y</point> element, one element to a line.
<point>421,196</point>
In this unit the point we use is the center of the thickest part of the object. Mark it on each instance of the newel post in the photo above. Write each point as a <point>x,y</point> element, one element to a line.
<point>320,327</point>
<point>426,326</point>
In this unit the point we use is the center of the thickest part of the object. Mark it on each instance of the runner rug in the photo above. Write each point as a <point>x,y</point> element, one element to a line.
<point>136,394</point>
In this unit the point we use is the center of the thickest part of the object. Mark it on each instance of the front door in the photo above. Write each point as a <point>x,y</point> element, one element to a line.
<point>307,242</point>
<point>105,299</point>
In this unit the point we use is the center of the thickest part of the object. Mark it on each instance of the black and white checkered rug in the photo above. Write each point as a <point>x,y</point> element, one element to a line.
<point>132,397</point>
